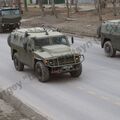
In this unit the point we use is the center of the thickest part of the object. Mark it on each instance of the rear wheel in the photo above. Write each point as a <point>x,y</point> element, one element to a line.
<point>18,65</point>
<point>1,29</point>
<point>9,40</point>
<point>78,72</point>
<point>109,50</point>
<point>42,72</point>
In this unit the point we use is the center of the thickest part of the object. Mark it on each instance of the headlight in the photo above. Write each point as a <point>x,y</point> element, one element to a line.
<point>77,58</point>
<point>46,62</point>
<point>3,25</point>
<point>49,62</point>
<point>52,62</point>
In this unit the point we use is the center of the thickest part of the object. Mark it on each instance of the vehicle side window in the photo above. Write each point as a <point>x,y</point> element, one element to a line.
<point>63,41</point>
<point>30,44</point>
<point>118,30</point>
<point>20,41</point>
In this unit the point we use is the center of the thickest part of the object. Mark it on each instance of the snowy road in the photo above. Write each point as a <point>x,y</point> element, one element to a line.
<point>93,96</point>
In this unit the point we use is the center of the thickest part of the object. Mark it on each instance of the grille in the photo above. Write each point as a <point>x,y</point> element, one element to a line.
<point>66,60</point>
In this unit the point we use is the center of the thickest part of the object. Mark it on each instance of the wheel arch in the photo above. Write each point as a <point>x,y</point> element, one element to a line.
<point>105,40</point>
<point>36,60</point>
<point>13,52</point>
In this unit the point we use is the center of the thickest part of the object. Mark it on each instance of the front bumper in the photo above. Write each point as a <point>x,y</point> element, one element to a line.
<point>10,25</point>
<point>67,67</point>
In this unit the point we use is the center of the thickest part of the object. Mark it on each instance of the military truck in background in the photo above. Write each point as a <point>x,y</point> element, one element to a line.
<point>9,18</point>
<point>45,50</point>
<point>109,33</point>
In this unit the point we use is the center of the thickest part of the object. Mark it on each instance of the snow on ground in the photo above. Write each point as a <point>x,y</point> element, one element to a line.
<point>94,95</point>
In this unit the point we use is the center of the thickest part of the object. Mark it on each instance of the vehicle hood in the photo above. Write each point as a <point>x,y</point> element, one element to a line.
<point>11,19</point>
<point>55,51</point>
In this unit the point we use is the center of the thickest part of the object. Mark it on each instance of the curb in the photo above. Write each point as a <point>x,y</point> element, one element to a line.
<point>22,107</point>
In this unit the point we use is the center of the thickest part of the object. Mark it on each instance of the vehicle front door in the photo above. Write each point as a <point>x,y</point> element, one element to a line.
<point>115,36</point>
<point>29,53</point>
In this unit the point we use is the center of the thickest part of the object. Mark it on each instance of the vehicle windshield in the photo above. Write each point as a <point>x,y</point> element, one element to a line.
<point>59,40</point>
<point>10,12</point>
<point>50,41</point>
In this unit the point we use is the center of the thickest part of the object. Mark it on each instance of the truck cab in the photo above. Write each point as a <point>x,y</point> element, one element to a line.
<point>9,18</point>
<point>46,51</point>
<point>110,37</point>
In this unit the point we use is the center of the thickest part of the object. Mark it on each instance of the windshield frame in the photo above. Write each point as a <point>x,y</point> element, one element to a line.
<point>67,42</point>
<point>9,12</point>
<point>50,39</point>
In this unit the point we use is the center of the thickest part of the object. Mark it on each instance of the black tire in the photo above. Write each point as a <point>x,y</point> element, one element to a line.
<point>78,72</point>
<point>109,50</point>
<point>9,40</point>
<point>42,72</point>
<point>18,65</point>
<point>1,29</point>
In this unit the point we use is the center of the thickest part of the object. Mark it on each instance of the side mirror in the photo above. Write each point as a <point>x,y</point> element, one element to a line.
<point>72,39</point>
<point>25,46</point>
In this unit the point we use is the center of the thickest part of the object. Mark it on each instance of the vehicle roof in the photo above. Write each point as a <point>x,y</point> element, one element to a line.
<point>38,32</point>
<point>112,21</point>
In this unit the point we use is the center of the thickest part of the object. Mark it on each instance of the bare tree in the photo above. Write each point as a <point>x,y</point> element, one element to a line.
<point>53,8</point>
<point>19,4</point>
<point>76,5</point>
<point>114,7</point>
<point>25,5</point>
<point>103,4</point>
<point>100,10</point>
<point>68,9</point>
<point>40,2</point>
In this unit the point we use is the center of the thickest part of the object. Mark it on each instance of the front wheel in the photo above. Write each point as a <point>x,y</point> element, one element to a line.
<point>1,29</point>
<point>78,72</point>
<point>42,72</point>
<point>18,65</point>
<point>109,50</point>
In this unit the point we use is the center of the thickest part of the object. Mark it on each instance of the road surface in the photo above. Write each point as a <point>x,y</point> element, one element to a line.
<point>95,95</point>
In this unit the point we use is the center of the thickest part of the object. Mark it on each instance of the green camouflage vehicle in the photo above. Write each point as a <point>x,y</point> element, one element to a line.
<point>9,18</point>
<point>110,37</point>
<point>45,50</point>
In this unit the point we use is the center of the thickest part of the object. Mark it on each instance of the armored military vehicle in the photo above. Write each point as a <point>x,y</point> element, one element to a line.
<point>9,18</point>
<point>45,50</point>
<point>109,32</point>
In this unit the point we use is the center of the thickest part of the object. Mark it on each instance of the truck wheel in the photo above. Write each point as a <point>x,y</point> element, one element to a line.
<point>9,40</point>
<point>18,65</point>
<point>42,72</point>
<point>109,50</point>
<point>1,29</point>
<point>78,72</point>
